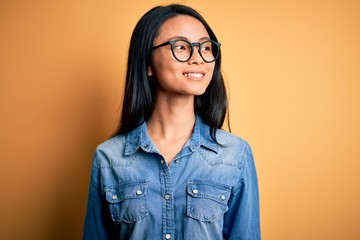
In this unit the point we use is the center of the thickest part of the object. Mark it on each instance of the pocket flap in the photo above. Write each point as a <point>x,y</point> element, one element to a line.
<point>123,191</point>
<point>208,189</point>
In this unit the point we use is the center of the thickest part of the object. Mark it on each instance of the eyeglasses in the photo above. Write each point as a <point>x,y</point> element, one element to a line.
<point>183,50</point>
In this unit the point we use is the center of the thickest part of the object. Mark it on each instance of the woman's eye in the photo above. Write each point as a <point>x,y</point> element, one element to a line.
<point>180,47</point>
<point>206,48</point>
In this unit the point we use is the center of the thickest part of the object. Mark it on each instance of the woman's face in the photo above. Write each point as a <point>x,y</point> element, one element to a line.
<point>185,78</point>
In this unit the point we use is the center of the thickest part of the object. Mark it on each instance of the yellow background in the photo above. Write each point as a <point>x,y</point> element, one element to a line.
<point>293,72</point>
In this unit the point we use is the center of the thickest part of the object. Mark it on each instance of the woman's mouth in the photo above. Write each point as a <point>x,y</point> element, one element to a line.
<point>193,75</point>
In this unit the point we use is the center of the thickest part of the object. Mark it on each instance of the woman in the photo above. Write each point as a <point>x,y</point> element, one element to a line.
<point>170,172</point>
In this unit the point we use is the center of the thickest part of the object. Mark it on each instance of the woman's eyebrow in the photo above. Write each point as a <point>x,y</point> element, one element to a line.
<point>185,38</point>
<point>204,38</point>
<point>179,37</point>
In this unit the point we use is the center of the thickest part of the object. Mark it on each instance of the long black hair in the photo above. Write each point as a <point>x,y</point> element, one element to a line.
<point>140,89</point>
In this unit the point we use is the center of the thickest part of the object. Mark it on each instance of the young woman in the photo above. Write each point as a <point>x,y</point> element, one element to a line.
<point>170,172</point>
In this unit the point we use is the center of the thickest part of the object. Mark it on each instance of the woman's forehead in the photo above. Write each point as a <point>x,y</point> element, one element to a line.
<point>183,26</point>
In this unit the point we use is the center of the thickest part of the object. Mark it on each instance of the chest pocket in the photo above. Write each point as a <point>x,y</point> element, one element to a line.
<point>207,201</point>
<point>128,201</point>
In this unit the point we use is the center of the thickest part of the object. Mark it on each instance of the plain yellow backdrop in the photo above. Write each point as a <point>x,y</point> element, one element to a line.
<point>292,70</point>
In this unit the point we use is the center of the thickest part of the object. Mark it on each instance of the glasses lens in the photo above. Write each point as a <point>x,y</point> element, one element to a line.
<point>182,50</point>
<point>209,51</point>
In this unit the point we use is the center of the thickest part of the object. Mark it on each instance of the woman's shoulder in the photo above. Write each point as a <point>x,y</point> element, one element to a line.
<point>229,139</point>
<point>110,149</point>
<point>111,143</point>
<point>233,150</point>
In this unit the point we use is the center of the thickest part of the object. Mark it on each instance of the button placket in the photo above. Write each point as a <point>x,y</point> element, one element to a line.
<point>168,206</point>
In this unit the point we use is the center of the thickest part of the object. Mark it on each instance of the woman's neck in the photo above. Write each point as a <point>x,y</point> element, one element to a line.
<point>171,125</point>
<point>172,119</point>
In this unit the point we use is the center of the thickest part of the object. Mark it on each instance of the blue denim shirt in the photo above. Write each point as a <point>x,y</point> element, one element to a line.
<point>209,191</point>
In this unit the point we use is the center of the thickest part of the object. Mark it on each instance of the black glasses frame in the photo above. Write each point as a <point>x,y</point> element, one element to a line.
<point>192,44</point>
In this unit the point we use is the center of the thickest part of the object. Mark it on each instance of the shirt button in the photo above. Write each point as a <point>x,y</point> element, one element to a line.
<point>168,236</point>
<point>162,161</point>
<point>167,196</point>
<point>195,191</point>
<point>138,192</point>
<point>176,161</point>
<point>114,197</point>
<point>222,197</point>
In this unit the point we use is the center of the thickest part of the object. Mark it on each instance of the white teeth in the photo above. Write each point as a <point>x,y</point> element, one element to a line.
<point>194,75</point>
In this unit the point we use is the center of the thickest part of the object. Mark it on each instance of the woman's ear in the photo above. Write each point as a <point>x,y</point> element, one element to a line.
<point>149,73</point>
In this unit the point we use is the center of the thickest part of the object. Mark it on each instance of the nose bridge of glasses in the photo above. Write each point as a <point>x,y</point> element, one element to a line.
<point>193,45</point>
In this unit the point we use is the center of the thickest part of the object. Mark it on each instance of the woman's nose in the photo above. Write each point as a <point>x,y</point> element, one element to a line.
<point>196,57</point>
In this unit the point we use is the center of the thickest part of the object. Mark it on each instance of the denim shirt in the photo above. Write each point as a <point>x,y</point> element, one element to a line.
<point>209,191</point>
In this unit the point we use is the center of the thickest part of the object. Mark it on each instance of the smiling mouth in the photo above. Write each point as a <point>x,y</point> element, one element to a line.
<point>193,75</point>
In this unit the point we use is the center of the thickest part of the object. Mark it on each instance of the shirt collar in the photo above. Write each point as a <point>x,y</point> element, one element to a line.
<point>139,138</point>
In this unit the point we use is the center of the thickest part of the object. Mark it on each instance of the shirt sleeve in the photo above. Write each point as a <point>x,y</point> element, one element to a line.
<point>97,219</point>
<point>242,221</point>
